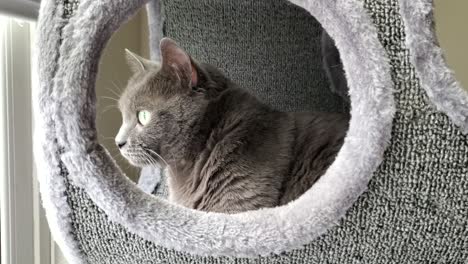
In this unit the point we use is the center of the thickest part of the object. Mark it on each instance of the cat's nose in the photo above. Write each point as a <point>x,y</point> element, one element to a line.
<point>120,144</point>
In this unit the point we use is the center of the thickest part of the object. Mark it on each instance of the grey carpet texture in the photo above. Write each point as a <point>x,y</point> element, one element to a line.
<point>415,209</point>
<point>270,47</point>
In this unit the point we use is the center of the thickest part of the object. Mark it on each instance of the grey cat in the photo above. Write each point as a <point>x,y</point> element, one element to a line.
<point>226,151</point>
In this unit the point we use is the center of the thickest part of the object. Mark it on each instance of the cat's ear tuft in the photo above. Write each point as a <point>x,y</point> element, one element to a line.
<point>138,63</point>
<point>176,60</point>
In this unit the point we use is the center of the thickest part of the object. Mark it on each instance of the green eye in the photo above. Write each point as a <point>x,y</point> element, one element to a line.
<point>144,117</point>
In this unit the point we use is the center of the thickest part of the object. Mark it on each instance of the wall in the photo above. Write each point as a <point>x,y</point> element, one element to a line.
<point>452,30</point>
<point>112,79</point>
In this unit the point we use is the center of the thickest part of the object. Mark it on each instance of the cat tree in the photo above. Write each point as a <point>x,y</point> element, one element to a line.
<point>397,192</point>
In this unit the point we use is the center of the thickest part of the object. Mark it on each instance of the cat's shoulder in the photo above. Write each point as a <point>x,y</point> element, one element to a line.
<point>321,120</point>
<point>319,115</point>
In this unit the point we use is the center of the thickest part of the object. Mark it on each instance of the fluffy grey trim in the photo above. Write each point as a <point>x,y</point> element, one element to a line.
<point>150,177</point>
<point>261,232</point>
<point>155,23</point>
<point>52,185</point>
<point>436,78</point>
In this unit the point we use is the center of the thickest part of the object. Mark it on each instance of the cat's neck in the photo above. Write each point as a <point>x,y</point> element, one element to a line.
<point>233,112</point>
<point>229,107</point>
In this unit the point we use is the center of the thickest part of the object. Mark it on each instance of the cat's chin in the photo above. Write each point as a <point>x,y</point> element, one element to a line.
<point>134,161</point>
<point>143,163</point>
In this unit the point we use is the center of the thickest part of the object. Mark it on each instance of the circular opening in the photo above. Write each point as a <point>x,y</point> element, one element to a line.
<point>112,78</point>
<point>284,59</point>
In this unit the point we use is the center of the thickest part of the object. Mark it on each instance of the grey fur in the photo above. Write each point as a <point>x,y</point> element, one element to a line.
<point>226,151</point>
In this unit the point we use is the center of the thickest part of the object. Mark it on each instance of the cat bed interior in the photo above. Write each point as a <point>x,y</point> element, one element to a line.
<point>397,191</point>
<point>278,55</point>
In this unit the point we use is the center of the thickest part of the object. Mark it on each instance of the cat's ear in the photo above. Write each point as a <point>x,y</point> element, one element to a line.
<point>138,63</point>
<point>177,61</point>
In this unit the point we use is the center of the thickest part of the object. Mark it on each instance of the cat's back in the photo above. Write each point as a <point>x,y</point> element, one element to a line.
<point>318,138</point>
<point>244,160</point>
<point>313,124</point>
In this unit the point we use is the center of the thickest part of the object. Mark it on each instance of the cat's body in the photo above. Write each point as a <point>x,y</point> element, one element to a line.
<point>254,156</point>
<point>227,151</point>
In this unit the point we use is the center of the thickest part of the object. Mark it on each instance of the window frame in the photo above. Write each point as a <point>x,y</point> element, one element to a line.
<point>26,9</point>
<point>24,231</point>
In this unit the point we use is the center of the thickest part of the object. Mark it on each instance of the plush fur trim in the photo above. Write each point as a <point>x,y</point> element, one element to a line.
<point>439,82</point>
<point>249,234</point>
<point>149,179</point>
<point>52,185</point>
<point>155,23</point>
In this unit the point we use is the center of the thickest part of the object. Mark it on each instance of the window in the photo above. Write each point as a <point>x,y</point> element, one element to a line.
<point>24,233</point>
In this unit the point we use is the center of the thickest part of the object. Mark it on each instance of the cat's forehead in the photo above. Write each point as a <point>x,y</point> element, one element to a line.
<point>149,88</point>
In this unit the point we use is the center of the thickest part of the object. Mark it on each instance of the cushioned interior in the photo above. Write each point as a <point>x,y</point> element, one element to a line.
<point>272,48</point>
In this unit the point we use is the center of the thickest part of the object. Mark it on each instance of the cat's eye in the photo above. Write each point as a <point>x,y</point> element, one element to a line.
<point>144,117</point>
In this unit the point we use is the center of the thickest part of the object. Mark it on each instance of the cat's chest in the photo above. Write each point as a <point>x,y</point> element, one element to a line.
<point>185,193</point>
<point>188,181</point>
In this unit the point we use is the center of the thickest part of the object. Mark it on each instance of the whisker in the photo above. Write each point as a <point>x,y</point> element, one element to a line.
<point>159,156</point>
<point>119,83</point>
<point>108,138</point>
<point>109,107</point>
<point>145,154</point>
<point>112,91</point>
<point>109,98</point>
<point>117,87</point>
<point>114,157</point>
<point>151,161</point>
<point>101,136</point>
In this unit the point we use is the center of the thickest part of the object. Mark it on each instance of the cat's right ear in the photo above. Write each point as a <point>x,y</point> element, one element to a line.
<point>138,63</point>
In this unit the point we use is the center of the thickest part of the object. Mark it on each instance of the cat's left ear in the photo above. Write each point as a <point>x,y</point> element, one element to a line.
<point>177,61</point>
<point>138,63</point>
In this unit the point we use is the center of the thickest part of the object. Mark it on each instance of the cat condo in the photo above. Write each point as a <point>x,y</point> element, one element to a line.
<point>396,193</point>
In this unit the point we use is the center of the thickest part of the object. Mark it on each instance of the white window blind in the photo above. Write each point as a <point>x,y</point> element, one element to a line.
<point>24,234</point>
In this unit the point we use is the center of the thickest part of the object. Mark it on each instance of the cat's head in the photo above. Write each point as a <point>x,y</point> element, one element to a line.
<point>162,106</point>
